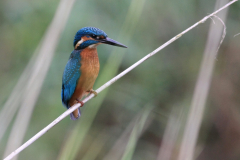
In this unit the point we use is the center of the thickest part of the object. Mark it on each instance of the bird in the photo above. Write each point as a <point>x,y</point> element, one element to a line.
<point>83,67</point>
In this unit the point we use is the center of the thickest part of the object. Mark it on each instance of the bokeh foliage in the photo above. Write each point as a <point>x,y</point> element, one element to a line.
<point>165,81</point>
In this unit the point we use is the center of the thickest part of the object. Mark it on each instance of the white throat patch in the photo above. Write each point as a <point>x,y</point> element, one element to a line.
<point>79,43</point>
<point>93,46</point>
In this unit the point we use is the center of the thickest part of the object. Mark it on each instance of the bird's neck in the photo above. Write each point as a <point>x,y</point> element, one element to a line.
<point>89,55</point>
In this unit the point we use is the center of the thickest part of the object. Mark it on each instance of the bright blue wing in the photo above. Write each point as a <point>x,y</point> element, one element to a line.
<point>70,77</point>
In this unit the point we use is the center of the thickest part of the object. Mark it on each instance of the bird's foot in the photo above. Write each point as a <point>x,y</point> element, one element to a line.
<point>94,92</point>
<point>81,102</point>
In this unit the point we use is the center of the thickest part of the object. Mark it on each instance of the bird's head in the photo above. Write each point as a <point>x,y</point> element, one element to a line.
<point>91,37</point>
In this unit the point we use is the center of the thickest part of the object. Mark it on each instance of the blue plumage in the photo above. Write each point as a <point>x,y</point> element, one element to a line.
<point>88,31</point>
<point>70,77</point>
<point>88,43</point>
<point>83,59</point>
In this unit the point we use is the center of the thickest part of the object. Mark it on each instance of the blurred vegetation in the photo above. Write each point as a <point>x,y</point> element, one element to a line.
<point>165,81</point>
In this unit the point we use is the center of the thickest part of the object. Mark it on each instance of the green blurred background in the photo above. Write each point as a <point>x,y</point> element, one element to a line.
<point>161,83</point>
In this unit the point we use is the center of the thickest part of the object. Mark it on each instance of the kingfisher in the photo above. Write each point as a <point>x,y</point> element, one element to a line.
<point>83,66</point>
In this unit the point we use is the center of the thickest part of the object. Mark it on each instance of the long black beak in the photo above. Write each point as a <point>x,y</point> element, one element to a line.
<point>112,42</point>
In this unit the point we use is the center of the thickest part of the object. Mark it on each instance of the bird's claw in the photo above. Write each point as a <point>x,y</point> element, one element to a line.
<point>94,92</point>
<point>81,102</point>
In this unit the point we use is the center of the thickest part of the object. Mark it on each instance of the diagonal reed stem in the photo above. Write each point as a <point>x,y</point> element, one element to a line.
<point>70,110</point>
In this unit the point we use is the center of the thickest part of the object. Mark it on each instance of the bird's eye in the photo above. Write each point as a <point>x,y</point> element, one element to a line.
<point>93,36</point>
<point>97,37</point>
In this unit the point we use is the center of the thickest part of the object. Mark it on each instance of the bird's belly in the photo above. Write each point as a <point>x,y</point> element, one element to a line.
<point>87,80</point>
<point>85,83</point>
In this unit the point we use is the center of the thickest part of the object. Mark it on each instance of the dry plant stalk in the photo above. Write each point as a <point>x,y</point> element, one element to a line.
<point>38,73</point>
<point>70,110</point>
<point>170,135</point>
<point>215,39</point>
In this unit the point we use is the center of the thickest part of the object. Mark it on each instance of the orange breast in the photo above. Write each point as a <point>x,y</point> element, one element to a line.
<point>89,68</point>
<point>89,72</point>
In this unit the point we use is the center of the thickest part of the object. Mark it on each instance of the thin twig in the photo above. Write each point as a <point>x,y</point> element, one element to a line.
<point>212,20</point>
<point>236,35</point>
<point>223,33</point>
<point>74,107</point>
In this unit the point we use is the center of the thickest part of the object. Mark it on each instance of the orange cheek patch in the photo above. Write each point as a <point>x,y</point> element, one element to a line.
<point>85,38</point>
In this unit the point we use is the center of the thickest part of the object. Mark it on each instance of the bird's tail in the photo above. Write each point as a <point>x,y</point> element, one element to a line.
<point>75,114</point>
